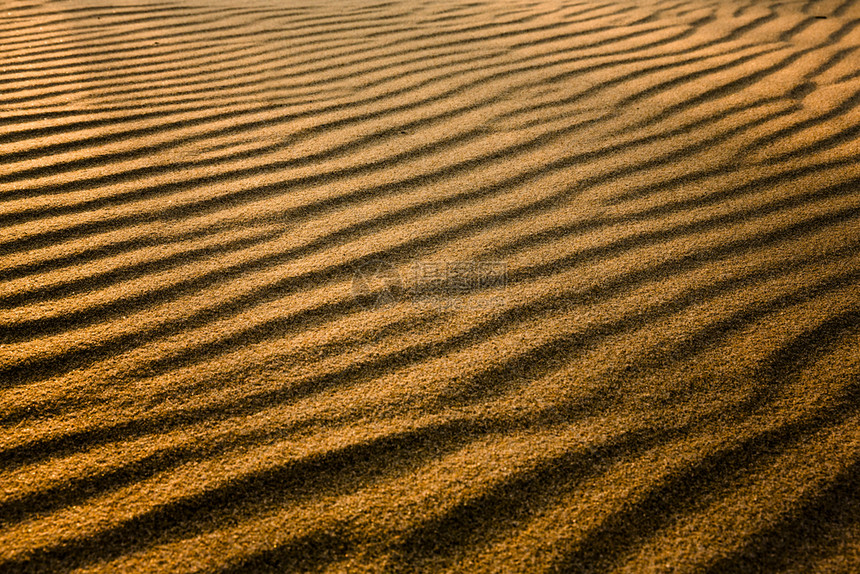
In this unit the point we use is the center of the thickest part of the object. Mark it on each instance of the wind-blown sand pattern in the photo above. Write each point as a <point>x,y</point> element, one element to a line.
<point>430,285</point>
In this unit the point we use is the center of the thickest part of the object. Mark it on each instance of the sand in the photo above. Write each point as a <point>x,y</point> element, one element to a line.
<point>430,285</point>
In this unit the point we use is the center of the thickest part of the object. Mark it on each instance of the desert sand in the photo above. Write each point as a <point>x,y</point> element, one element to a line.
<point>430,285</point>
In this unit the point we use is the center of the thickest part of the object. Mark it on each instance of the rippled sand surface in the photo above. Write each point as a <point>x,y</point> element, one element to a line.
<point>495,286</point>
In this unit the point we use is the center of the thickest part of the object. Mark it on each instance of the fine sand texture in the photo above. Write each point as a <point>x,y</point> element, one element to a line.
<point>430,285</point>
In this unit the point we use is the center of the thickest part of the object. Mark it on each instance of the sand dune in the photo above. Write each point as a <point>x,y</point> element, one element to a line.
<point>425,285</point>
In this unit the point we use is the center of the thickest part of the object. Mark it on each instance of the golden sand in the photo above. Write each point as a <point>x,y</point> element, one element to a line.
<point>430,285</point>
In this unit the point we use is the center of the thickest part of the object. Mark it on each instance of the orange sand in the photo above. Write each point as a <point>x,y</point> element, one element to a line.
<point>426,285</point>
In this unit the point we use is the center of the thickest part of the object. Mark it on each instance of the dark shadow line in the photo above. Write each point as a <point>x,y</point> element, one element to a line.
<point>525,366</point>
<point>605,546</point>
<point>720,91</point>
<point>338,470</point>
<point>396,253</point>
<point>811,529</point>
<point>784,133</point>
<point>811,345</point>
<point>516,497</point>
<point>92,254</point>
<point>510,72</point>
<point>104,279</point>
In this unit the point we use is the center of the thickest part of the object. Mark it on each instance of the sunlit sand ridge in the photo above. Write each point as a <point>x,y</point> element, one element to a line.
<point>430,285</point>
